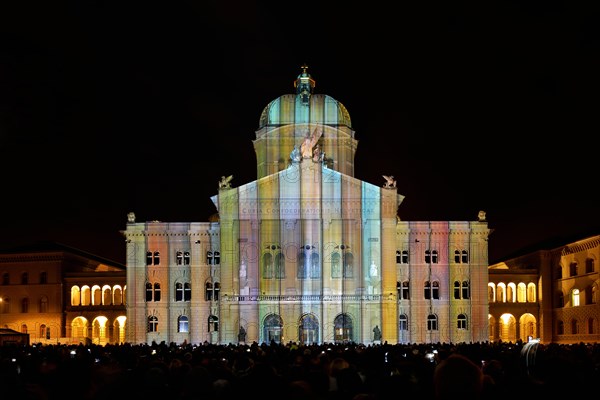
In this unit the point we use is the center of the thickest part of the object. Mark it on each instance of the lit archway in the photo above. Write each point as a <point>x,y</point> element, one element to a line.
<point>79,330</point>
<point>508,328</point>
<point>527,327</point>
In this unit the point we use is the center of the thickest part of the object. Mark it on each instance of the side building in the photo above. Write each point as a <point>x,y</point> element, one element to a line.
<point>550,293</point>
<point>59,294</point>
<point>307,252</point>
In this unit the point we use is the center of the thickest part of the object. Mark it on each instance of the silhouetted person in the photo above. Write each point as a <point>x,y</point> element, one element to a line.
<point>457,377</point>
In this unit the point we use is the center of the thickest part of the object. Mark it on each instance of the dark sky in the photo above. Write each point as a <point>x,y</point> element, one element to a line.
<point>108,107</point>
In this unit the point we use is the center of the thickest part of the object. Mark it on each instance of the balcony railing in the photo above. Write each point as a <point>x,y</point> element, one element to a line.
<point>308,298</point>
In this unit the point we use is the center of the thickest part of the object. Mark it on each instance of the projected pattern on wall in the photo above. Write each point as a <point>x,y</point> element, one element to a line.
<point>307,253</point>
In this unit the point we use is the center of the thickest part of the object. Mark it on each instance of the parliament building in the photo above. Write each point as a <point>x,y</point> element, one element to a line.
<point>307,253</point>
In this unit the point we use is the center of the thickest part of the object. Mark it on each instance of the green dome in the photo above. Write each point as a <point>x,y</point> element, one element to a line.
<point>304,107</point>
<point>294,109</point>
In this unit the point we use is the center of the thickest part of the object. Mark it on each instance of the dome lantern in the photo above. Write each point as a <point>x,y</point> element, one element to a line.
<point>304,85</point>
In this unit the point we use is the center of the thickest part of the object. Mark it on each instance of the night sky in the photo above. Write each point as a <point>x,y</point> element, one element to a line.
<point>108,107</point>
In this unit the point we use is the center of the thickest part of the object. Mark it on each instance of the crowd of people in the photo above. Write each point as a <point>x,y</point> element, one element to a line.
<point>340,371</point>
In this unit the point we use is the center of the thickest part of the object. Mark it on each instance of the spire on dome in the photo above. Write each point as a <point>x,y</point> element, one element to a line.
<point>304,84</point>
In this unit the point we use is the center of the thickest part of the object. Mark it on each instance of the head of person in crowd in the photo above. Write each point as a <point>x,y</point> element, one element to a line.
<point>457,377</point>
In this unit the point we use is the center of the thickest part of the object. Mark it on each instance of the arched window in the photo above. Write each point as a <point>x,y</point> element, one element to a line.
<point>403,322</point>
<point>573,269</point>
<point>405,257</point>
<point>178,291</point>
<point>574,326</point>
<point>273,328</point>
<point>157,292</point>
<point>187,291</point>
<point>75,296</point>
<point>315,265</point>
<point>511,295</point>
<point>186,258</point>
<point>465,257</point>
<point>179,258</point>
<point>435,290</point>
<point>405,290</point>
<point>208,291</point>
<point>152,324</point>
<point>575,298</point>
<point>531,295</point>
<point>213,323</point>
<point>148,291</point>
<point>432,322</point>
<point>267,267</point>
<point>521,292</point>
<point>302,265</point>
<point>336,268</point>
<point>348,265</point>
<point>461,322</point>
<point>491,296</point>
<point>456,290</point>
<point>117,295</point>
<point>152,258</point>
<point>182,324</point>
<point>211,292</point>
<point>501,293</point>
<point>427,290</point>
<point>96,295</point>
<point>280,266</point>
<point>217,291</point>
<point>107,295</point>
<point>589,265</point>
<point>466,290</point>
<point>343,328</point>
<point>402,257</point>
<point>308,331</point>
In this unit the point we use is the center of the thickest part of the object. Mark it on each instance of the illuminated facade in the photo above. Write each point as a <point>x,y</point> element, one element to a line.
<point>59,294</point>
<point>550,294</point>
<point>307,253</point>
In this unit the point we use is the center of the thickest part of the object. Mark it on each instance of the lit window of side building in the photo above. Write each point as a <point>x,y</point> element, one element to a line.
<point>59,294</point>
<point>550,294</point>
